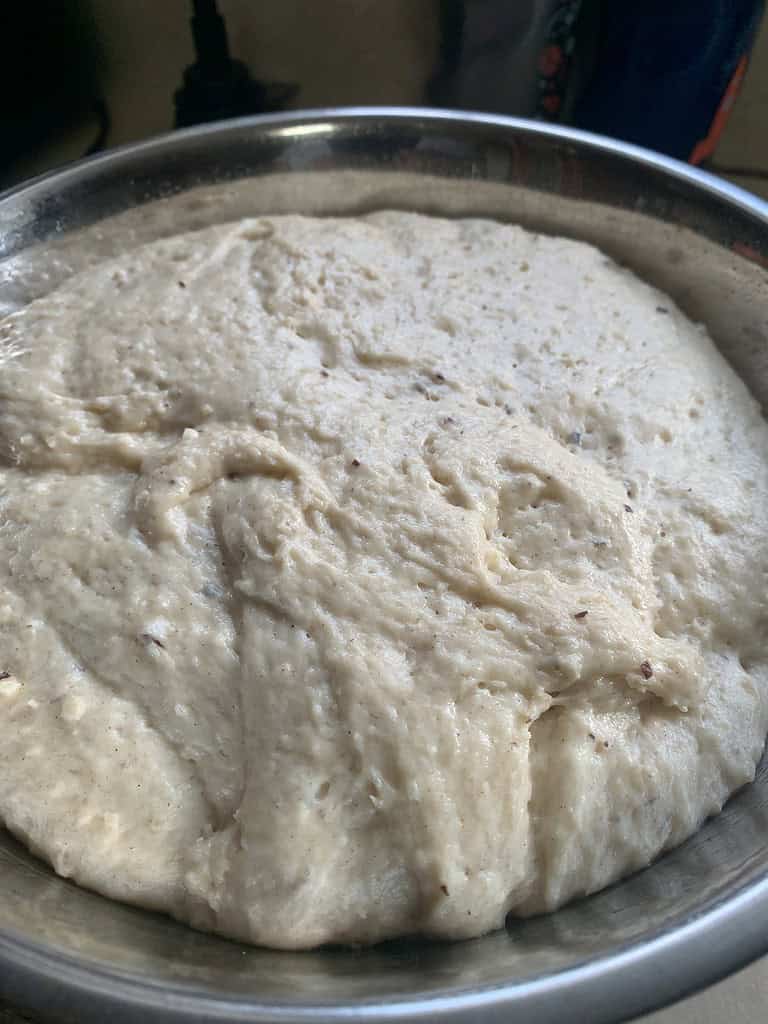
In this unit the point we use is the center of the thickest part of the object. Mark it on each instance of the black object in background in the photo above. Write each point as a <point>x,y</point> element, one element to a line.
<point>666,72</point>
<point>48,72</point>
<point>216,86</point>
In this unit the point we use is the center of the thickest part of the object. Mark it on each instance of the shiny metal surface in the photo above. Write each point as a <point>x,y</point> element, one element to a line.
<point>699,912</point>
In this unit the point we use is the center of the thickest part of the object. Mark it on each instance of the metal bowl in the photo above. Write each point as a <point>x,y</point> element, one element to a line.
<point>697,913</point>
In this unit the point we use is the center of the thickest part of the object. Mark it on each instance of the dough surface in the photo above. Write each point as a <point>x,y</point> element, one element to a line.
<point>370,577</point>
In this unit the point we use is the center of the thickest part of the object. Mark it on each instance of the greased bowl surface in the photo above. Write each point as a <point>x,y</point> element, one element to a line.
<point>697,913</point>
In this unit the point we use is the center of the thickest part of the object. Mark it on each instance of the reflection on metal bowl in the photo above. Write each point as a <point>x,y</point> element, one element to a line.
<point>697,913</point>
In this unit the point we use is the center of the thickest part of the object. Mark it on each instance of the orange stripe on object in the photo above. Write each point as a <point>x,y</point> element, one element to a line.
<point>706,147</point>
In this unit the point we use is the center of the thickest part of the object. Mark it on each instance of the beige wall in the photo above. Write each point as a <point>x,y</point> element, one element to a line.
<point>350,51</point>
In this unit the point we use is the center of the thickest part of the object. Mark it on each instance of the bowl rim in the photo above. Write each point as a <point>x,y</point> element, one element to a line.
<point>636,978</point>
<point>127,153</point>
<point>616,987</point>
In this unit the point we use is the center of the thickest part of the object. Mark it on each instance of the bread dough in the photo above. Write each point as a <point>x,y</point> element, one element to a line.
<point>370,577</point>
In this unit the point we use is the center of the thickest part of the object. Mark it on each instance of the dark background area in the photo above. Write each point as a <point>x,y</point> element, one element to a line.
<point>81,75</point>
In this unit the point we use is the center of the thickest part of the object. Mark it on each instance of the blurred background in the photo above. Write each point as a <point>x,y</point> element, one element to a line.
<point>686,77</point>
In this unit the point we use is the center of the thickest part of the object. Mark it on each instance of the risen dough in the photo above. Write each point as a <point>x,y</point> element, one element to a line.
<point>370,577</point>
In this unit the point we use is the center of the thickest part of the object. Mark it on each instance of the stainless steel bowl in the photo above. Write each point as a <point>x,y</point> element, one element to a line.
<point>699,912</point>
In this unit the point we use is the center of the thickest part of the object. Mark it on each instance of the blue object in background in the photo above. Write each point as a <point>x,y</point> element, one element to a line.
<point>662,69</point>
